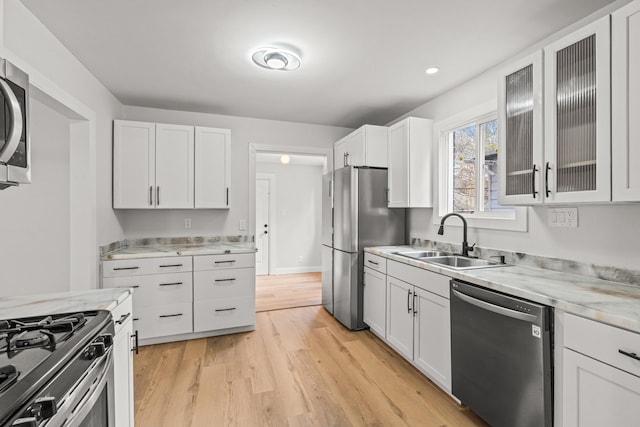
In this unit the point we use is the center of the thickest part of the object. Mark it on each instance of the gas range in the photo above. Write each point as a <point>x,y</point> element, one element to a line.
<point>43,358</point>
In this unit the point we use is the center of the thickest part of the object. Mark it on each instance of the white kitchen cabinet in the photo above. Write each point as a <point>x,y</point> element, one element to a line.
<point>133,164</point>
<point>174,166</point>
<point>577,106</point>
<point>400,316</point>
<point>410,164</point>
<point>374,310</point>
<point>212,167</point>
<point>366,146</point>
<point>601,385</point>
<point>625,103</point>
<point>123,363</point>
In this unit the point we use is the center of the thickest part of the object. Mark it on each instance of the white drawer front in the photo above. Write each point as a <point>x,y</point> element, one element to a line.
<point>375,262</point>
<point>155,289</point>
<point>134,267</point>
<point>224,313</point>
<point>217,262</point>
<point>424,279</point>
<point>602,342</point>
<point>158,321</point>
<point>230,283</point>
<point>122,314</point>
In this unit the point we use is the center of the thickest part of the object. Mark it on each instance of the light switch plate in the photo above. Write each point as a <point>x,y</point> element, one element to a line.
<point>563,217</point>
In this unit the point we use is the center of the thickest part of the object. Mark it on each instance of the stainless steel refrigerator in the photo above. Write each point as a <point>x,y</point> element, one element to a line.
<point>327,242</point>
<point>361,218</point>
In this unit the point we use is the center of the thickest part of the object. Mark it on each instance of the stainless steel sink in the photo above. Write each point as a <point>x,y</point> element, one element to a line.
<point>463,263</point>
<point>422,254</point>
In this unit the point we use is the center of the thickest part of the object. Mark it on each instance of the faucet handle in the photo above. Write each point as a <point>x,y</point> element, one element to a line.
<point>470,249</point>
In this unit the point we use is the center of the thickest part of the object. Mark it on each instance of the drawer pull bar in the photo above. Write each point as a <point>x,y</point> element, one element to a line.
<point>373,262</point>
<point>123,318</point>
<point>225,280</point>
<point>171,265</point>
<point>629,354</point>
<point>170,284</point>
<point>225,309</point>
<point>129,286</point>
<point>125,268</point>
<point>224,262</point>
<point>171,315</point>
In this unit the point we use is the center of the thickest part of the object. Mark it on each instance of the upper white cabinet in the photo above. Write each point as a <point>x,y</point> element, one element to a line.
<point>168,166</point>
<point>366,146</point>
<point>577,108</point>
<point>520,133</point>
<point>409,177</point>
<point>625,104</point>
<point>212,167</point>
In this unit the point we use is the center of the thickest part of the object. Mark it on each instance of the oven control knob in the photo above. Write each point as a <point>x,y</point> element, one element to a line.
<point>107,339</point>
<point>94,350</point>
<point>44,407</point>
<point>26,422</point>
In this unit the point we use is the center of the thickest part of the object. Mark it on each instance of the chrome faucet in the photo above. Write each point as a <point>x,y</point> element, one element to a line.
<point>465,245</point>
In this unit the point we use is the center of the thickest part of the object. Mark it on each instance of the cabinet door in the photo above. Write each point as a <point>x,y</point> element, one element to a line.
<point>123,375</point>
<point>212,167</point>
<point>400,316</point>
<point>133,164</point>
<point>174,166</point>
<point>398,174</point>
<point>340,150</point>
<point>374,310</point>
<point>521,132</point>
<point>432,337</point>
<point>356,151</point>
<point>625,82</point>
<point>577,116</point>
<point>596,394</point>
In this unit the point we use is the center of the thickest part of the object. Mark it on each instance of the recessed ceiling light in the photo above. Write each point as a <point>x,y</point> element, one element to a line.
<point>285,159</point>
<point>273,58</point>
<point>432,70</point>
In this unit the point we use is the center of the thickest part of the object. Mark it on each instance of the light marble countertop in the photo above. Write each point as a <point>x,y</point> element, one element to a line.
<point>61,302</point>
<point>155,251</point>
<point>608,302</point>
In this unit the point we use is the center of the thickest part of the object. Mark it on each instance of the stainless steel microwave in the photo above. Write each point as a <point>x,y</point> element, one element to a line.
<point>15,149</point>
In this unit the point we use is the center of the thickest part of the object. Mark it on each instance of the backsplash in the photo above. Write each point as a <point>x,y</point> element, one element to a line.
<point>614,274</point>
<point>164,241</point>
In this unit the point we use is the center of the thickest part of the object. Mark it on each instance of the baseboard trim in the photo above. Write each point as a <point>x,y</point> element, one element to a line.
<point>296,270</point>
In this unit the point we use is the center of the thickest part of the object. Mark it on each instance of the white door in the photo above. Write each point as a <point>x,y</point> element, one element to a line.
<point>262,226</point>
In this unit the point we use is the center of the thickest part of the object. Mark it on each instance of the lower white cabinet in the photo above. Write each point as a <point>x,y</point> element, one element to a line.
<point>432,336</point>
<point>123,363</point>
<point>400,316</point>
<point>374,310</point>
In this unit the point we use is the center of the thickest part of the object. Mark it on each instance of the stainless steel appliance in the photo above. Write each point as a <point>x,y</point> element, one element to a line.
<point>361,218</point>
<point>15,149</point>
<point>501,356</point>
<point>57,370</point>
<point>327,242</point>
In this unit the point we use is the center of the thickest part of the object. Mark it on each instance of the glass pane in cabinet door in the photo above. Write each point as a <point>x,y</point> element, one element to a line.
<point>576,116</point>
<point>519,131</point>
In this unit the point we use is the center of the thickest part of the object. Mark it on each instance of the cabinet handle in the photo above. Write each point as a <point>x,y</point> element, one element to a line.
<point>629,354</point>
<point>546,180</point>
<point>224,280</point>
<point>347,159</point>
<point>136,347</point>
<point>170,284</point>
<point>414,304</point>
<point>171,265</point>
<point>129,286</point>
<point>386,196</point>
<point>123,318</point>
<point>224,309</point>
<point>170,315</point>
<point>533,181</point>
<point>125,268</point>
<point>224,262</point>
<point>227,196</point>
<point>372,262</point>
<point>409,301</point>
<point>150,195</point>
<point>158,195</point>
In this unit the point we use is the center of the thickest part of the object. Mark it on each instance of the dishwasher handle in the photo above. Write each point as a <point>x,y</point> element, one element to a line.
<point>503,311</point>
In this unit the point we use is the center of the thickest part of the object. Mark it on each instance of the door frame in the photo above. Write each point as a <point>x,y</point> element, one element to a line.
<point>272,217</point>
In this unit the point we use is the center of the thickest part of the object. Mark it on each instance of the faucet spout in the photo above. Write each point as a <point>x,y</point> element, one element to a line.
<point>465,244</point>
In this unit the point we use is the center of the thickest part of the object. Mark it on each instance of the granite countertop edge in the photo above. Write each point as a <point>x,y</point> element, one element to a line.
<point>608,302</point>
<point>178,250</point>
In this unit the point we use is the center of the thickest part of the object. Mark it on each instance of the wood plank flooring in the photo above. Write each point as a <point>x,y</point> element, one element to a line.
<point>288,290</point>
<point>300,367</point>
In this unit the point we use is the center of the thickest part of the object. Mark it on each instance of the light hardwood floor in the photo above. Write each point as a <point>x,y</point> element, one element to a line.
<point>300,367</point>
<point>288,290</point>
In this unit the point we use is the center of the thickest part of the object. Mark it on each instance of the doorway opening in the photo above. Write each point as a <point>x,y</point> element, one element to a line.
<point>287,221</point>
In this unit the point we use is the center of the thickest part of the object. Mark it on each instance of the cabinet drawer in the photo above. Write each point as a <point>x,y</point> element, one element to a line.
<point>602,342</point>
<point>122,314</point>
<point>224,313</point>
<point>155,289</point>
<point>138,266</point>
<point>375,262</point>
<point>424,279</point>
<point>170,319</point>
<point>229,283</point>
<point>218,262</point>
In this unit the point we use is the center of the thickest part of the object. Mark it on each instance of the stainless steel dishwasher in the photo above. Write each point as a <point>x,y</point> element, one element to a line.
<point>501,356</point>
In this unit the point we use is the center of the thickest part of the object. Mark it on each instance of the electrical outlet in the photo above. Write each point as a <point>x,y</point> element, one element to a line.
<point>187,223</point>
<point>563,217</point>
<point>243,225</point>
<point>300,259</point>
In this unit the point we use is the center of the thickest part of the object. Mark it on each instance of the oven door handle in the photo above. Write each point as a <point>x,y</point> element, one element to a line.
<point>16,119</point>
<point>503,311</point>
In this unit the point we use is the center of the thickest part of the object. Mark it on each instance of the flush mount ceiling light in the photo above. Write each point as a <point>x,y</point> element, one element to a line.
<point>273,58</point>
<point>285,159</point>
<point>432,70</point>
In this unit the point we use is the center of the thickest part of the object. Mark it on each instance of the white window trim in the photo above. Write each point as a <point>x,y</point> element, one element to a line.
<point>489,220</point>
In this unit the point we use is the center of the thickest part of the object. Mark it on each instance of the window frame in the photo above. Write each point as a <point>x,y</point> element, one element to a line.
<point>497,220</point>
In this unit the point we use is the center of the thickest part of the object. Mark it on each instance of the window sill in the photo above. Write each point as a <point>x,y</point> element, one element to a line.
<point>519,223</point>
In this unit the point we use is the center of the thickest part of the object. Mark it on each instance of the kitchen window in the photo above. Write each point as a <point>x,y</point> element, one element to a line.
<point>469,172</point>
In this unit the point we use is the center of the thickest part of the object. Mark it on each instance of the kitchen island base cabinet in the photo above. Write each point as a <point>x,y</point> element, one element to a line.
<point>123,363</point>
<point>160,320</point>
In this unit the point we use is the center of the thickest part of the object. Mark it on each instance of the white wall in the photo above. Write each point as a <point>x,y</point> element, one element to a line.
<point>298,221</point>
<point>244,131</point>
<point>34,219</point>
<point>607,234</point>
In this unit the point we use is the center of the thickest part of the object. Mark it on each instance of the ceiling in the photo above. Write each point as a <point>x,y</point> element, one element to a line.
<point>363,61</point>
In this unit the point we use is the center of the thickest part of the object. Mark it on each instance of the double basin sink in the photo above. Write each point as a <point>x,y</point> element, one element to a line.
<point>447,260</point>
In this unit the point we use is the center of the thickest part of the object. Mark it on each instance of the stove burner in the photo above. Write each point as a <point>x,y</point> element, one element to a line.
<point>31,339</point>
